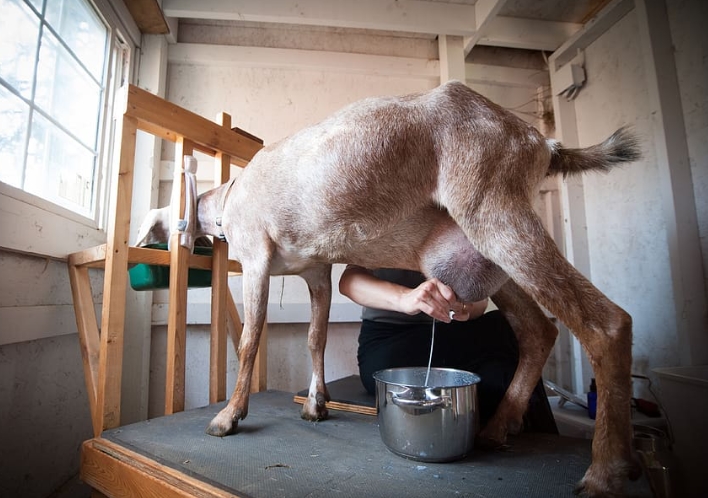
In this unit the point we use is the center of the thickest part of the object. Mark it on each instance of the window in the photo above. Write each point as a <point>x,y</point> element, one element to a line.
<point>60,63</point>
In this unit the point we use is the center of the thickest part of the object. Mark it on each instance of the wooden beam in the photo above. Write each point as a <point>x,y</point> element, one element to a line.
<point>485,12</point>
<point>506,76</point>
<point>259,380</point>
<point>608,16</point>
<point>528,34</point>
<point>315,60</point>
<point>177,314</point>
<point>389,15</point>
<point>452,58</point>
<point>170,121</point>
<point>219,288</point>
<point>96,257</point>
<point>115,280</point>
<point>89,340</point>
<point>148,16</point>
<point>111,468</point>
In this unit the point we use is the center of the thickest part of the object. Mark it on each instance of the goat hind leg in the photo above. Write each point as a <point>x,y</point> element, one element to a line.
<point>319,283</point>
<point>535,336</point>
<point>520,245</point>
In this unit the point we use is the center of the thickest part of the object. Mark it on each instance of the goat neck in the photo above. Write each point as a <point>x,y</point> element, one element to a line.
<point>210,209</point>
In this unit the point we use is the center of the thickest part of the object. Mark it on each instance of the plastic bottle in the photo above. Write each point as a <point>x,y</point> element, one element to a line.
<point>592,400</point>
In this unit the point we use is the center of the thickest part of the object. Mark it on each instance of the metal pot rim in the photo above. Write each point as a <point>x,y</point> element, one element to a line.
<point>470,378</point>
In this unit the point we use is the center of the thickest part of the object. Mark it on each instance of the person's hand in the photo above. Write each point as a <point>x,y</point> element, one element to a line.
<point>437,300</point>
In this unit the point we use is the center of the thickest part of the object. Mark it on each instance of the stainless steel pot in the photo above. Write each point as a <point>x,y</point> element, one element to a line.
<point>433,423</point>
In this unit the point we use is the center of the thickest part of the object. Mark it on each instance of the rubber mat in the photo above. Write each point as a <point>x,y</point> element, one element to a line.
<point>277,454</point>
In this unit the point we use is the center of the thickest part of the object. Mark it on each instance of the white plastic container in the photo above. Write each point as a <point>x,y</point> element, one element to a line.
<point>683,392</point>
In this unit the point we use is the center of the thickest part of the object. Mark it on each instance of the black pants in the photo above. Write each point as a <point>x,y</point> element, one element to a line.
<point>486,346</point>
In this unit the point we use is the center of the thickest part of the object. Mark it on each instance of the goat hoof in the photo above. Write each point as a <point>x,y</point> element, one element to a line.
<point>315,409</point>
<point>320,413</point>
<point>484,443</point>
<point>218,430</point>
<point>223,424</point>
<point>317,417</point>
<point>601,482</point>
<point>493,435</point>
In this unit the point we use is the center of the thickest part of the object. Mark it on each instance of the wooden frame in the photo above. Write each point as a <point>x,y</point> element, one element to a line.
<point>102,352</point>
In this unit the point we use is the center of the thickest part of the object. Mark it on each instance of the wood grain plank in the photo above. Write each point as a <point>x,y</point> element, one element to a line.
<point>89,340</point>
<point>148,16</point>
<point>177,313</point>
<point>170,121</point>
<point>219,287</point>
<point>338,405</point>
<point>95,257</point>
<point>119,472</point>
<point>115,281</point>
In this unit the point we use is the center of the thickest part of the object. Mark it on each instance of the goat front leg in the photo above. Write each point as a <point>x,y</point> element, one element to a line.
<point>255,297</point>
<point>319,283</point>
<point>535,335</point>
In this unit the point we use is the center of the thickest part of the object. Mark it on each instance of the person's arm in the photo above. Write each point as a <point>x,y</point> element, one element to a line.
<point>432,297</point>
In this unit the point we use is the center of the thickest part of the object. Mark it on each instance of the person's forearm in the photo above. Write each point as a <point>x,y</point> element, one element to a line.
<point>359,285</point>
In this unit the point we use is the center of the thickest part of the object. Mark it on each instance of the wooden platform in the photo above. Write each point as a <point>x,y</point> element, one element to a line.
<point>347,394</point>
<point>277,454</point>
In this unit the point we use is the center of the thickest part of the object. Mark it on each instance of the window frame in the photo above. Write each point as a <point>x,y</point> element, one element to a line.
<point>33,225</point>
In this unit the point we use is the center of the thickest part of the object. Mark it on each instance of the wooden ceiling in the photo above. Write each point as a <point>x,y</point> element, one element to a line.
<point>526,24</point>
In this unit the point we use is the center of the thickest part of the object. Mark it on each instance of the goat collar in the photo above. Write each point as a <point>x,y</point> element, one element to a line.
<point>222,206</point>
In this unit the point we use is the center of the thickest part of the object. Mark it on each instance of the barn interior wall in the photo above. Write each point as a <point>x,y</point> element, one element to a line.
<point>44,415</point>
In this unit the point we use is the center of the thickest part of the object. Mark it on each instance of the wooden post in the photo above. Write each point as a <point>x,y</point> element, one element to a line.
<point>219,287</point>
<point>89,338</point>
<point>177,313</point>
<point>110,365</point>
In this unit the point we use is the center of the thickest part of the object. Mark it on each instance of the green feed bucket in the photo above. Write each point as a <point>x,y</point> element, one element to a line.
<point>151,277</point>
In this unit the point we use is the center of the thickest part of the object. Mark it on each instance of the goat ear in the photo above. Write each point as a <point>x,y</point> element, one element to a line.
<point>155,228</point>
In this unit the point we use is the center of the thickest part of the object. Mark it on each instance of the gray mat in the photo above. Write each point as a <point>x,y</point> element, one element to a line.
<point>277,454</point>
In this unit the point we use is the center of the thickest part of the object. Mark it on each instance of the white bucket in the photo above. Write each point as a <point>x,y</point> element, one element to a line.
<point>683,392</point>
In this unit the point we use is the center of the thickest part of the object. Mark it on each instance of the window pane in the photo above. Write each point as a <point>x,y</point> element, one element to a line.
<point>19,32</point>
<point>58,168</point>
<point>81,29</point>
<point>66,92</point>
<point>13,128</point>
<point>37,4</point>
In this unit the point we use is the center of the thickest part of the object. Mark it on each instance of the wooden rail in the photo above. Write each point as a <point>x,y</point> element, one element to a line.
<point>102,347</point>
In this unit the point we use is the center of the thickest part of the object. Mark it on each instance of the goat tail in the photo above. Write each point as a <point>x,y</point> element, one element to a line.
<point>621,147</point>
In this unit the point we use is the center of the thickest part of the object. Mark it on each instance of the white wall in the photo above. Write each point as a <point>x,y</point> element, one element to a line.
<point>44,410</point>
<point>629,257</point>
<point>635,254</point>
<point>687,22</point>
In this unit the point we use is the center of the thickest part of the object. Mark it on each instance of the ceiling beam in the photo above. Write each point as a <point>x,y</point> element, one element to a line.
<point>530,34</point>
<point>148,16</point>
<point>315,60</point>
<point>591,31</point>
<point>411,16</point>
<point>485,12</point>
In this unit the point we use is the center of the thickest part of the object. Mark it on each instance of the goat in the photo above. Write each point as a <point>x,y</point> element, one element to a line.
<point>440,182</point>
